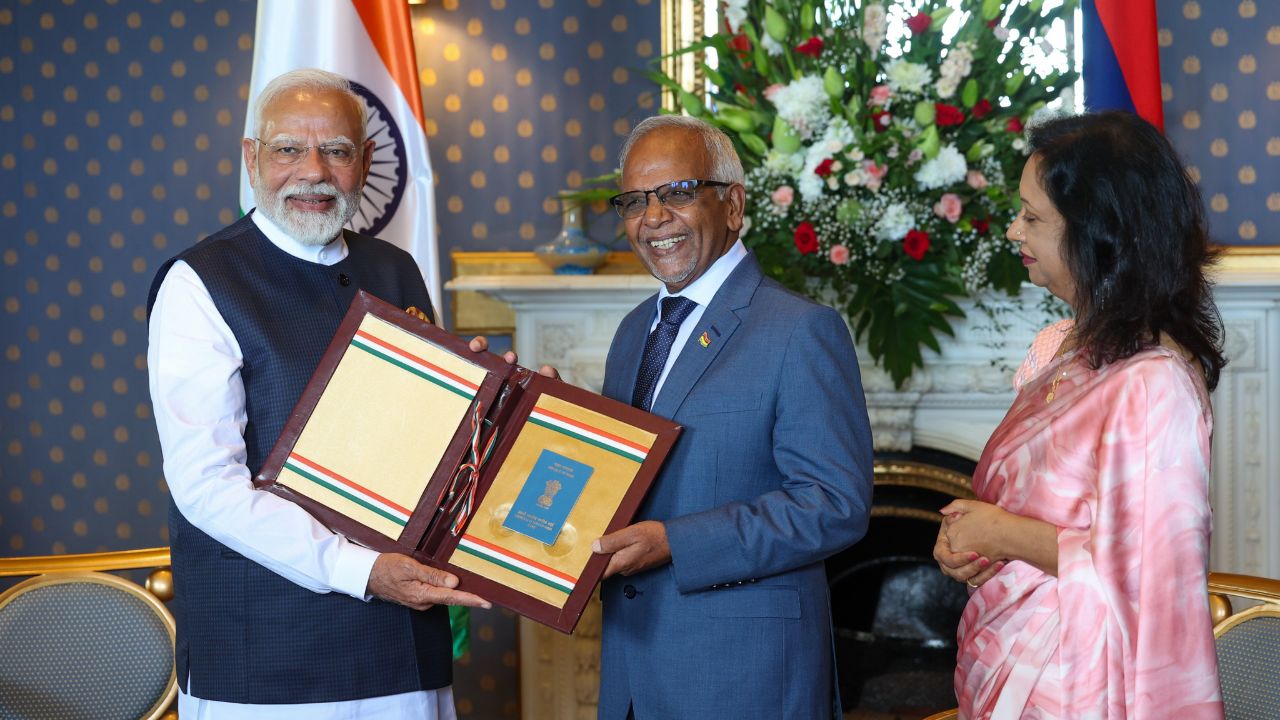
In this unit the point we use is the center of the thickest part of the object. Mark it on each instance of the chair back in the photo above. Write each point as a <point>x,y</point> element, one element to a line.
<point>1248,641</point>
<point>78,643</point>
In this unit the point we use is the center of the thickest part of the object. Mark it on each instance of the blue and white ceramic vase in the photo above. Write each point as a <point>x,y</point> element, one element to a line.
<point>572,252</point>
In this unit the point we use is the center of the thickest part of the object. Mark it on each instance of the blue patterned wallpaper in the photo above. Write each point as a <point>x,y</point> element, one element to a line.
<point>1220,65</point>
<point>119,128</point>
<point>119,146</point>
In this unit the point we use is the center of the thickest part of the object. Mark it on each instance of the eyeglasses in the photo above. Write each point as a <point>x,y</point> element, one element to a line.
<point>334,154</point>
<point>678,194</point>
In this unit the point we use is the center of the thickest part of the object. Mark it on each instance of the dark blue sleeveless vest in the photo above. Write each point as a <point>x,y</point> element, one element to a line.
<point>246,634</point>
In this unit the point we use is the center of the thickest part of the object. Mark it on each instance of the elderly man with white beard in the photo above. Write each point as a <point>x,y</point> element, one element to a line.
<point>278,617</point>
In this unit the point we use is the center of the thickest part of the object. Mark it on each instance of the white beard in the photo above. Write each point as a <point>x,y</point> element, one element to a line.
<point>308,228</point>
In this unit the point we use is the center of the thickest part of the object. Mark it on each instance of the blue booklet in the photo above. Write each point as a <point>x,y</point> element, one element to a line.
<point>549,493</point>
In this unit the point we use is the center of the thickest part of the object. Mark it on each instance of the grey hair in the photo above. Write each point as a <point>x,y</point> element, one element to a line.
<point>307,79</point>
<point>725,164</point>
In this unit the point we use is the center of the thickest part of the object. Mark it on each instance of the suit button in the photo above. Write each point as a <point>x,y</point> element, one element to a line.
<point>628,591</point>
<point>344,279</point>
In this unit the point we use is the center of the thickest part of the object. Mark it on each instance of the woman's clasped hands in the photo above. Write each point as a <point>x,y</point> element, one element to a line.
<point>966,549</point>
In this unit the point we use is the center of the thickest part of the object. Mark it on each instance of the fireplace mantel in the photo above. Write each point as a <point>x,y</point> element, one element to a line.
<point>951,405</point>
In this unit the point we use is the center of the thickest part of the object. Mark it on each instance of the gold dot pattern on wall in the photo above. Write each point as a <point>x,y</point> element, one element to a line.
<point>117,155</point>
<point>1224,85</point>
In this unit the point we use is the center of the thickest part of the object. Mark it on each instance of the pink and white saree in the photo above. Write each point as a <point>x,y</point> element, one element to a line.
<point>1119,460</point>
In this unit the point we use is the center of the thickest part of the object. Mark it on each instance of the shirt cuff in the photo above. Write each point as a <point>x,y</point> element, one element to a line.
<point>352,570</point>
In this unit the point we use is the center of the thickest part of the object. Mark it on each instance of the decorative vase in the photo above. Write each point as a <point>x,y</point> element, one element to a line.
<point>572,252</point>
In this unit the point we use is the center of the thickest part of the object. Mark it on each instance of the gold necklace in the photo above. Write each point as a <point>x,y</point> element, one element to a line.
<point>1053,388</point>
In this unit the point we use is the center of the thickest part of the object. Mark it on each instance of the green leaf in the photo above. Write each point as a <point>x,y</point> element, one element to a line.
<point>990,9</point>
<point>784,138</point>
<point>833,83</point>
<point>1014,82</point>
<point>929,142</point>
<point>775,25</point>
<point>735,118</point>
<point>806,18</point>
<point>712,74</point>
<point>754,143</point>
<point>924,113</point>
<point>940,18</point>
<point>692,104</point>
<point>969,95</point>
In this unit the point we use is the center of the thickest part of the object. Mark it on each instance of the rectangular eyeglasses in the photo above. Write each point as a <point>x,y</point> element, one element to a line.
<point>678,194</point>
<point>335,154</point>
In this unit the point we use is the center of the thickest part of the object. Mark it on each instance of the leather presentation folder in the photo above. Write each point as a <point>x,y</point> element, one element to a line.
<point>406,441</point>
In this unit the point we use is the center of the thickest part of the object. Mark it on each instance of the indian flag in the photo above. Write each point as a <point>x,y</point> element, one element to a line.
<point>369,42</point>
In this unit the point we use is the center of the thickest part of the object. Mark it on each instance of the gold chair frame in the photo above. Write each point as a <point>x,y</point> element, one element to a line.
<point>46,570</point>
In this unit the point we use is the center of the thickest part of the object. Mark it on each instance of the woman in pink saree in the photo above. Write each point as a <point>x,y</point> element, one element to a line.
<point>1088,543</point>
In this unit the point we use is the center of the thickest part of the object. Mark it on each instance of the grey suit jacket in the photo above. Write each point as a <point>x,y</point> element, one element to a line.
<point>771,475</point>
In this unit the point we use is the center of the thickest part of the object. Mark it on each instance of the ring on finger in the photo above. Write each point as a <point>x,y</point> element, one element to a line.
<point>970,583</point>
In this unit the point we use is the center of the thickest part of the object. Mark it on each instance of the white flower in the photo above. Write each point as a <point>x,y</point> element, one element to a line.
<point>945,169</point>
<point>893,223</point>
<point>770,45</point>
<point>809,184</point>
<point>735,12</point>
<point>803,105</point>
<point>955,67</point>
<point>784,164</point>
<point>1001,32</point>
<point>874,27</point>
<point>838,135</point>
<point>908,77</point>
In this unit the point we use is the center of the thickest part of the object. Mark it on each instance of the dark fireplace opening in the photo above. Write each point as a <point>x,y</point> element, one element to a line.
<point>895,613</point>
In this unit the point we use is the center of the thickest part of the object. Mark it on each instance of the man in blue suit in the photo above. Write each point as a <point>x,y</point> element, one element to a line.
<point>717,602</point>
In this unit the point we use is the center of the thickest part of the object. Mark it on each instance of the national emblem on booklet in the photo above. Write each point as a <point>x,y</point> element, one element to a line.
<point>405,440</point>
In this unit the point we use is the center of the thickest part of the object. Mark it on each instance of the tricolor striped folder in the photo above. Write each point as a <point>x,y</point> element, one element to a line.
<point>406,441</point>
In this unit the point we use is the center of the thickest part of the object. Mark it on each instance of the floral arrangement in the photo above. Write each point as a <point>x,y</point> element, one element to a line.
<point>883,143</point>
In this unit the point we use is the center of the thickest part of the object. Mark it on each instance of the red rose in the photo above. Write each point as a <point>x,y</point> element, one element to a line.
<point>920,23</point>
<point>880,120</point>
<point>806,238</point>
<point>1014,125</point>
<point>990,23</point>
<point>980,226</point>
<point>916,244</point>
<point>981,109</point>
<point>824,168</point>
<point>740,43</point>
<point>947,115</point>
<point>811,47</point>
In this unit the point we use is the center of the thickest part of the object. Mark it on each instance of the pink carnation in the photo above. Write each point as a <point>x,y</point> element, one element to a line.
<point>772,90</point>
<point>839,255</point>
<point>880,95</point>
<point>949,207</point>
<point>873,170</point>
<point>783,196</point>
<point>976,179</point>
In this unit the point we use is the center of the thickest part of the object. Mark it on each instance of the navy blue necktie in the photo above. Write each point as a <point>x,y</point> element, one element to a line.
<point>656,349</point>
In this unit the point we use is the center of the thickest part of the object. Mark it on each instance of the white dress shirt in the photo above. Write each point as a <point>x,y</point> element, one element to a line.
<point>198,398</point>
<point>701,291</point>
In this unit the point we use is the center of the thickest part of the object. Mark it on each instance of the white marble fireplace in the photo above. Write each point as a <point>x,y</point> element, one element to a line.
<point>952,405</point>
